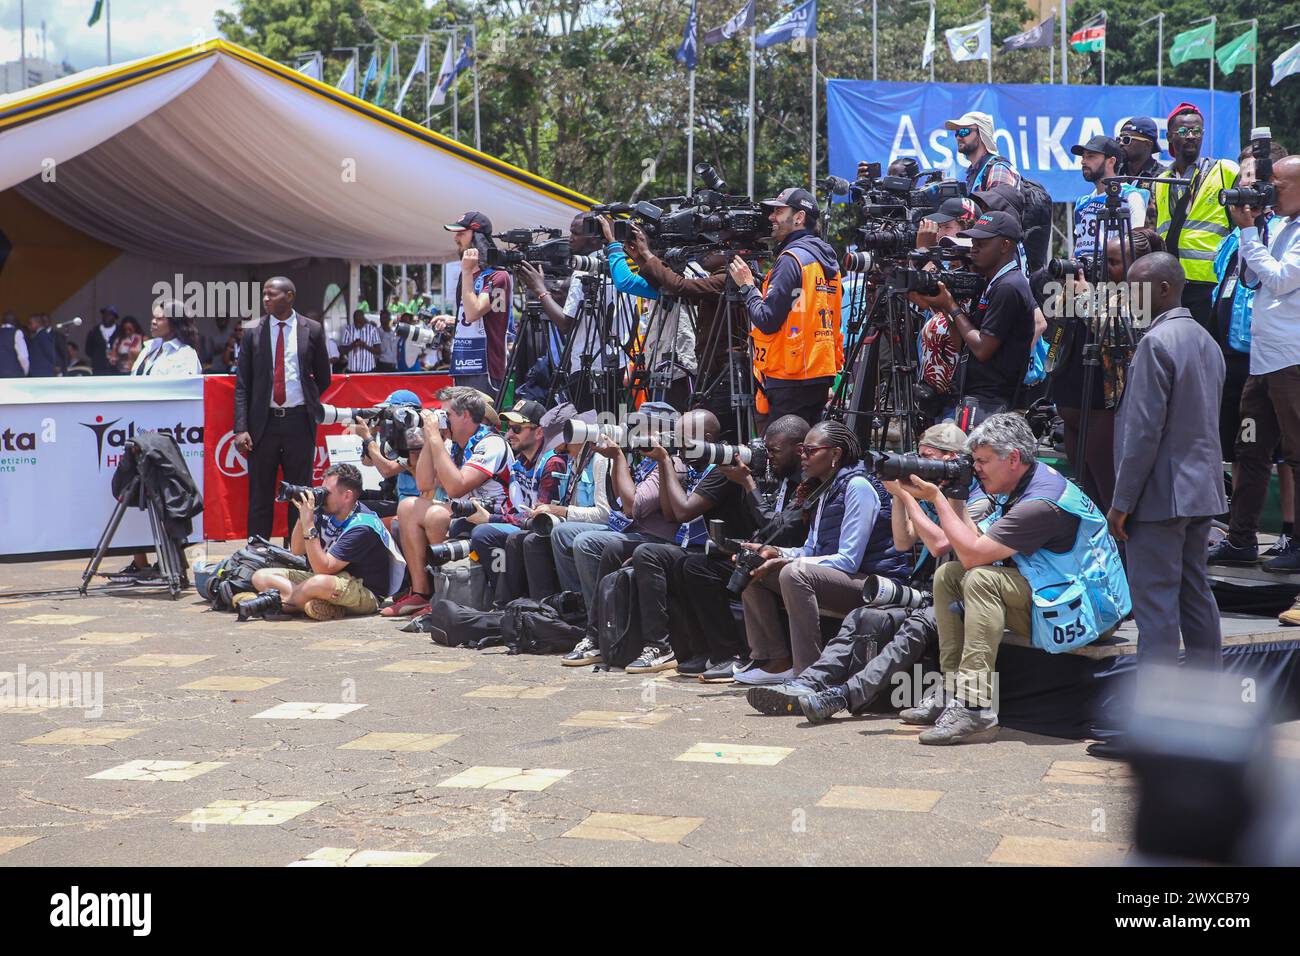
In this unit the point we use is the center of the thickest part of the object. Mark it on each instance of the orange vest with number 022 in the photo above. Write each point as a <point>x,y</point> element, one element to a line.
<point>809,344</point>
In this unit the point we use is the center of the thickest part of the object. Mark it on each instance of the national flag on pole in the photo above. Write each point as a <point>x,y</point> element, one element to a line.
<point>1091,37</point>
<point>1238,52</point>
<point>799,23</point>
<point>1043,35</point>
<point>1288,64</point>
<point>971,42</point>
<point>445,75</point>
<point>686,52</point>
<point>96,13</point>
<point>383,77</point>
<point>311,68</point>
<point>1195,44</point>
<point>371,70</point>
<point>420,65</point>
<point>348,81</point>
<point>927,51</point>
<point>466,54</point>
<point>743,20</point>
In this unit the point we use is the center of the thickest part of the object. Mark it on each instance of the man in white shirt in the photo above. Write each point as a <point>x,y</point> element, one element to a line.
<point>1270,399</point>
<point>387,344</point>
<point>360,344</point>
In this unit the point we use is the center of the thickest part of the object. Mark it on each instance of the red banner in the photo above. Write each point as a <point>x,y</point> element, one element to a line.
<point>225,470</point>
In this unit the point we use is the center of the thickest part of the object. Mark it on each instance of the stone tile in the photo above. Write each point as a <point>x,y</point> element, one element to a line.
<point>614,718</point>
<point>426,667</point>
<point>303,710</point>
<point>165,660</point>
<point>105,638</point>
<point>58,619</point>
<point>83,737</point>
<point>513,692</point>
<point>8,843</point>
<point>736,753</point>
<point>505,778</point>
<point>231,682</point>
<point>880,798</point>
<point>173,771</point>
<point>337,856</point>
<point>405,743</point>
<point>255,813</point>
<point>348,644</point>
<point>1049,851</point>
<point>634,828</point>
<point>1088,773</point>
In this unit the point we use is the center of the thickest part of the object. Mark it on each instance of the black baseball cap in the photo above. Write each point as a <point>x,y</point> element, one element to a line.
<point>795,198</point>
<point>957,207</point>
<point>1141,126</point>
<point>525,413</point>
<point>471,220</point>
<point>1099,144</point>
<point>994,225</point>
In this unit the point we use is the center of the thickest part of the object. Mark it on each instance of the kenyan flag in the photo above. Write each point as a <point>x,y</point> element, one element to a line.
<point>1091,37</point>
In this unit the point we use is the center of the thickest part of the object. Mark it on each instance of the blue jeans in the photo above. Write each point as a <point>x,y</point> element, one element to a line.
<point>562,538</point>
<point>489,543</point>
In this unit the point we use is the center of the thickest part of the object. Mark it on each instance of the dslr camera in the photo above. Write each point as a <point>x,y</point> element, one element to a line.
<point>422,335</point>
<point>752,455</point>
<point>748,560</point>
<point>396,426</point>
<point>291,493</point>
<point>953,477</point>
<point>1261,193</point>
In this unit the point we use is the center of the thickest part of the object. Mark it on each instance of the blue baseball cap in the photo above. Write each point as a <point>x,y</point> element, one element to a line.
<point>1141,126</point>
<point>403,396</point>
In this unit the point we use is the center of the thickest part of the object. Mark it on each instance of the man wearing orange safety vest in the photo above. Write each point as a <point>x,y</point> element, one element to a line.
<point>795,316</point>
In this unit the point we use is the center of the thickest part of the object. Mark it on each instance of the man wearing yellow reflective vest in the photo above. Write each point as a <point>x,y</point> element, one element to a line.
<point>795,316</point>
<point>1189,218</point>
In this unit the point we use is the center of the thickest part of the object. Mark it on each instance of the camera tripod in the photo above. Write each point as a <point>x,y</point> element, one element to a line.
<point>739,371</point>
<point>596,335</point>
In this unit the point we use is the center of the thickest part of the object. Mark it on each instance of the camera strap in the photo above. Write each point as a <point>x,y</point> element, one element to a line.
<point>1178,216</point>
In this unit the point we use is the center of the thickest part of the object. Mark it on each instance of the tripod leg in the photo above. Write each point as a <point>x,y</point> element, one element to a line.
<point>168,559</point>
<point>106,538</point>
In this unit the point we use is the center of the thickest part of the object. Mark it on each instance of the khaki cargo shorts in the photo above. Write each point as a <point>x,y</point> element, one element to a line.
<point>349,593</point>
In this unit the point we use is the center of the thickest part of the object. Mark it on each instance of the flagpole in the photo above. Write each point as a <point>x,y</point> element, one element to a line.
<point>473,45</point>
<point>690,134</point>
<point>812,168</point>
<point>22,40</point>
<point>455,96</point>
<point>1254,25</point>
<point>1106,24</point>
<point>1065,58</point>
<point>1051,63</point>
<point>873,40</point>
<point>988,15</point>
<point>1160,45</point>
<point>428,117</point>
<point>753,50</point>
<point>108,31</point>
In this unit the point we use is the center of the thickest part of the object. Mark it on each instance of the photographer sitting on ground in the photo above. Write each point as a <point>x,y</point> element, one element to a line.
<point>354,562</point>
<point>849,540</point>
<point>1065,586</point>
<point>874,644</point>
<point>469,459</point>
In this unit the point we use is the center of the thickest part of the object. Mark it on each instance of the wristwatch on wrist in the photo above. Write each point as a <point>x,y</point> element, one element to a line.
<point>311,534</point>
<point>746,288</point>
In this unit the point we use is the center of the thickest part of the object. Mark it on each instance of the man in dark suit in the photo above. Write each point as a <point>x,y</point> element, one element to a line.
<point>102,340</point>
<point>283,368</point>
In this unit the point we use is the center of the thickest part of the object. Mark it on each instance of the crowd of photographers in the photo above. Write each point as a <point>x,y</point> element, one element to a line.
<point>685,458</point>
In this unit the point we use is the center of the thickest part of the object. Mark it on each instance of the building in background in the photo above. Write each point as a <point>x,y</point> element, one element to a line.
<point>38,71</point>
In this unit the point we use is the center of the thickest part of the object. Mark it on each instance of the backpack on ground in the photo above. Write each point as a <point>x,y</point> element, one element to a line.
<point>462,582</point>
<point>617,618</point>
<point>234,575</point>
<point>455,625</point>
<point>553,625</point>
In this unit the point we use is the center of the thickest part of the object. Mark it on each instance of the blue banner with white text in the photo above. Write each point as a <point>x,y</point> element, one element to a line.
<point>1035,124</point>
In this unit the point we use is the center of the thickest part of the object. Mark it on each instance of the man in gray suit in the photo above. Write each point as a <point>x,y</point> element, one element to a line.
<point>1169,473</point>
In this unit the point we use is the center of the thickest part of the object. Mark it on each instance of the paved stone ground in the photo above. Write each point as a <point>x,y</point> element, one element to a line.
<point>350,742</point>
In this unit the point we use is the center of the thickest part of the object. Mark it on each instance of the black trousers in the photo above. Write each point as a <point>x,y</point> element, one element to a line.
<point>806,401</point>
<point>289,444</point>
<point>1198,298</point>
<point>661,594</point>
<point>529,569</point>
<point>872,645</point>
<point>701,621</point>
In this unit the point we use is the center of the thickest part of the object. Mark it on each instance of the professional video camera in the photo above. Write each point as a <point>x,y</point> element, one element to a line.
<point>953,477</point>
<point>898,198</point>
<point>552,255</point>
<point>1261,193</point>
<point>291,492</point>
<point>710,219</point>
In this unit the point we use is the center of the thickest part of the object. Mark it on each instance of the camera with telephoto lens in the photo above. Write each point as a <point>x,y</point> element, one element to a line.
<point>639,434</point>
<point>753,455</point>
<point>1066,268</point>
<point>552,256</point>
<point>1261,193</point>
<point>542,524</point>
<point>594,263</point>
<point>465,509</point>
<point>952,476</point>
<point>880,591</point>
<point>292,492</point>
<point>424,336</point>
<point>440,554</point>
<point>337,415</point>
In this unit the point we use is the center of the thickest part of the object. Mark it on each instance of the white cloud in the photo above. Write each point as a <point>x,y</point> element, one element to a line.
<point>140,28</point>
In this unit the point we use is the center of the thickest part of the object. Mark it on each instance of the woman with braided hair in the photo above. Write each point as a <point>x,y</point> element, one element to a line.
<point>849,538</point>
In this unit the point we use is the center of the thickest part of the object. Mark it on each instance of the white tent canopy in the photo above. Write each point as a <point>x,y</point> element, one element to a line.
<point>213,154</point>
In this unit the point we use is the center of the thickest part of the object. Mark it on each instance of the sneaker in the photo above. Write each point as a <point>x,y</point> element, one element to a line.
<point>1287,562</point>
<point>723,672</point>
<point>319,610</point>
<point>586,652</point>
<point>820,708</point>
<point>1291,618</point>
<point>133,573</point>
<point>754,675</point>
<point>927,711</point>
<point>781,700</point>
<point>959,724</point>
<point>651,660</point>
<point>1226,553</point>
<point>411,604</point>
<point>694,667</point>
<point>1281,546</point>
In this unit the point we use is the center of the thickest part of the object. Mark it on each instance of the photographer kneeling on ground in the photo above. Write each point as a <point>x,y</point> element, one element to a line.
<point>849,539</point>
<point>354,561</point>
<point>1065,586</point>
<point>875,643</point>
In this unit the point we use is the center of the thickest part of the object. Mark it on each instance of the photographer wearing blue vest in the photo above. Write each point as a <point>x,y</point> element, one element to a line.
<point>354,561</point>
<point>849,539</point>
<point>1042,563</point>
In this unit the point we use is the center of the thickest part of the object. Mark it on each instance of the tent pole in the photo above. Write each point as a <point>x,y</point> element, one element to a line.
<point>354,286</point>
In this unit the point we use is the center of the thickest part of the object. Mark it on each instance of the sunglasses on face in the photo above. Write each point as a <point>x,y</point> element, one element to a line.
<point>519,429</point>
<point>807,451</point>
<point>1128,138</point>
<point>963,132</point>
<point>1190,132</point>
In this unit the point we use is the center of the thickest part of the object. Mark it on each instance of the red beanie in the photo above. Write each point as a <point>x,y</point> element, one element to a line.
<point>1183,108</point>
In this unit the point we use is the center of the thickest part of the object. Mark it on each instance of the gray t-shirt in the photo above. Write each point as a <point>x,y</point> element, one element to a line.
<point>1031,525</point>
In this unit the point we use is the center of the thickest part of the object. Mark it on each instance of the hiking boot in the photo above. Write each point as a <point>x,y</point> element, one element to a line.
<point>781,700</point>
<point>411,604</point>
<point>319,610</point>
<point>1227,553</point>
<point>1291,618</point>
<point>927,711</point>
<point>652,659</point>
<point>694,667</point>
<point>959,724</point>
<point>820,708</point>
<point>1286,562</point>
<point>723,672</point>
<point>1282,545</point>
<point>587,651</point>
